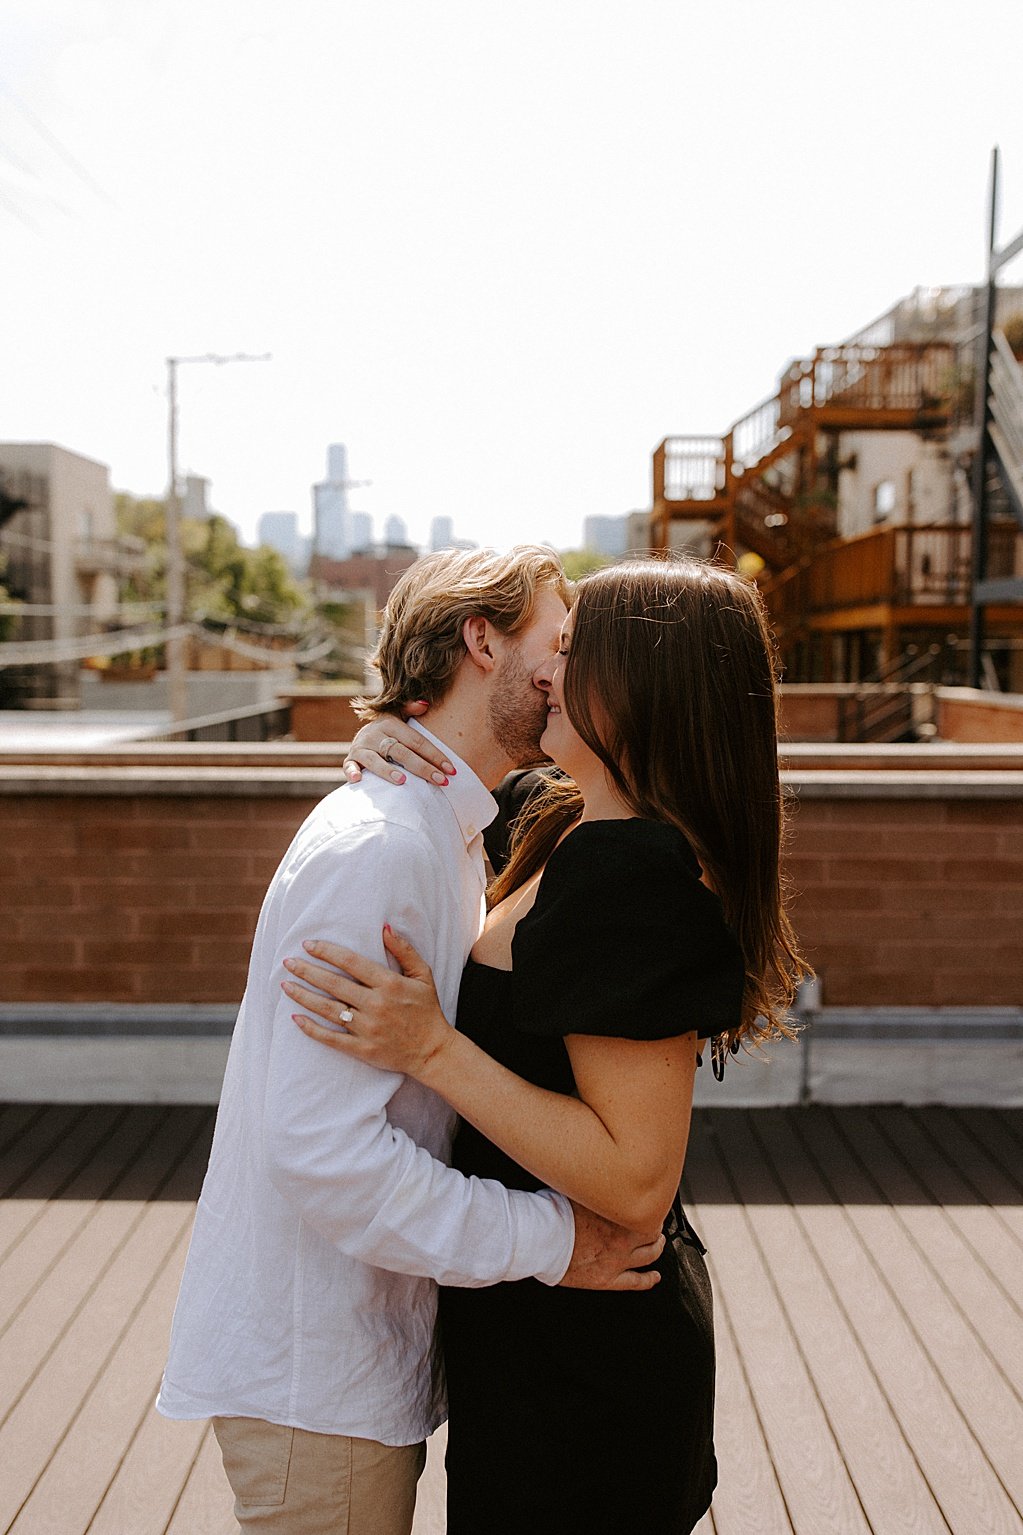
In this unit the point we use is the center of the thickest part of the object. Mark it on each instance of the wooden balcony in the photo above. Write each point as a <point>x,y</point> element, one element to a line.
<point>906,386</point>
<point>901,574</point>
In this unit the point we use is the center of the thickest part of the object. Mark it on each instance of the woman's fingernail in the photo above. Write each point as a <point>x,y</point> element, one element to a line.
<point>388,928</point>
<point>312,944</point>
<point>438,778</point>
<point>397,777</point>
<point>450,769</point>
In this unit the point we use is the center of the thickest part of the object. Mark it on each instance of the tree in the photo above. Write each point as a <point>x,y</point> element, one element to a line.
<point>224,580</point>
<point>577,563</point>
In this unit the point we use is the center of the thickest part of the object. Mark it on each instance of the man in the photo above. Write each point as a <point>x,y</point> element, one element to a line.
<point>305,1322</point>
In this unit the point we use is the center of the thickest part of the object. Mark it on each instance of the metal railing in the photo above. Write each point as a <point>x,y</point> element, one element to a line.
<point>1007,417</point>
<point>255,722</point>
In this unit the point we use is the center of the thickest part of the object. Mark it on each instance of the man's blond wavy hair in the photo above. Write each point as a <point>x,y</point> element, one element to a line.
<point>421,646</point>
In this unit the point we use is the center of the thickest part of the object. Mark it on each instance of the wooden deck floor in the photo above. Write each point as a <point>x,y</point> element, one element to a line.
<point>868,1269</point>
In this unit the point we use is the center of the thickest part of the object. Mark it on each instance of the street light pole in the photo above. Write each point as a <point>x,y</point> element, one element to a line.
<point>177,643</point>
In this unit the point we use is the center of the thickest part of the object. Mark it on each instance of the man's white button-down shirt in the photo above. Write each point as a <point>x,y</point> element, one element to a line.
<point>329,1212</point>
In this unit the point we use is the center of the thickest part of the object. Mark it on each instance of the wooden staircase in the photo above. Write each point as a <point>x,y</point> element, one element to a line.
<point>765,486</point>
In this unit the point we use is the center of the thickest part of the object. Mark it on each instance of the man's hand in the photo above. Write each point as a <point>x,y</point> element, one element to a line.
<point>607,1257</point>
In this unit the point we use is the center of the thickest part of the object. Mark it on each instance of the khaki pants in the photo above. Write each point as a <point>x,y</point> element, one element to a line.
<point>287,1481</point>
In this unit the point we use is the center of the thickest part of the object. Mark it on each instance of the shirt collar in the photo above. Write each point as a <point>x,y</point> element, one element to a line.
<point>472,802</point>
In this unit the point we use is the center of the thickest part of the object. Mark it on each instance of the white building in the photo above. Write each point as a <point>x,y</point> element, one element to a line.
<point>396,533</point>
<point>606,535</point>
<point>442,533</point>
<point>280,531</point>
<point>331,516</point>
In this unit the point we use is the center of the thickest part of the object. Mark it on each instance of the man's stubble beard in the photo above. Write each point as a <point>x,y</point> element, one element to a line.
<point>517,713</point>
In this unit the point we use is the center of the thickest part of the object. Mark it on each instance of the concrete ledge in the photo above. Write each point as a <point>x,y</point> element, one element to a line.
<point>314,782</point>
<point>123,1053</point>
<point>850,783</point>
<point>52,1069</point>
<point>184,782</point>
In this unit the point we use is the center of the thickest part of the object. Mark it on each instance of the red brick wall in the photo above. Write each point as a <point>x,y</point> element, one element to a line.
<point>135,898</point>
<point>910,902</point>
<point>806,714</point>
<point>966,717</point>
<point>323,717</point>
<point>154,898</point>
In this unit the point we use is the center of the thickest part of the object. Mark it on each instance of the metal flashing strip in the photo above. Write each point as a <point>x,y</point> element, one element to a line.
<point>117,1020</point>
<point>947,1025</point>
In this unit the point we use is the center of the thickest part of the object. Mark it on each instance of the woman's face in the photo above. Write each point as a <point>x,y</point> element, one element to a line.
<point>560,740</point>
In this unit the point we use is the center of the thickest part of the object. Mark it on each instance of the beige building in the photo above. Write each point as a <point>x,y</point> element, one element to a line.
<point>63,562</point>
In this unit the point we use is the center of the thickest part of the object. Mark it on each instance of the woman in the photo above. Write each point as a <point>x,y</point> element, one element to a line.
<point>640,913</point>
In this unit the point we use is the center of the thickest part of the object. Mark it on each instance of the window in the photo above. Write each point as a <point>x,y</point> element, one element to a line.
<point>884,500</point>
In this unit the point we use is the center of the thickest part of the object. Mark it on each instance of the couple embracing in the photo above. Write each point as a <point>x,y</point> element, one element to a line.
<point>638,921</point>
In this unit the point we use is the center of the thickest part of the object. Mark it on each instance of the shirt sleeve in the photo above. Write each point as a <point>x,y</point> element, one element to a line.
<point>625,941</point>
<point>330,1148</point>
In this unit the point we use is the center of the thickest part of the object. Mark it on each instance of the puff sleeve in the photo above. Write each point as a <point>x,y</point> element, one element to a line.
<point>624,940</point>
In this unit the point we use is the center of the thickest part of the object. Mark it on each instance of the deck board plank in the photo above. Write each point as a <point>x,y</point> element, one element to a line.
<point>991,1240</point>
<point>880,1463</point>
<point>40,1171</point>
<point>818,1492</point>
<point>41,1243</point>
<point>747,1496</point>
<point>206,1506</point>
<point>935,1267</point>
<point>78,1277</point>
<point>47,1408</point>
<point>990,1180</point>
<point>889,1234</point>
<point>86,1462</point>
<point>874,1269</point>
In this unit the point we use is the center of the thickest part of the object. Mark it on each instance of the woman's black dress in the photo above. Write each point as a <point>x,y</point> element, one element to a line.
<point>576,1412</point>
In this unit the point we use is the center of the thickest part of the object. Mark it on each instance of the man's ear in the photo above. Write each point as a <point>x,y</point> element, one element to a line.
<point>478,637</point>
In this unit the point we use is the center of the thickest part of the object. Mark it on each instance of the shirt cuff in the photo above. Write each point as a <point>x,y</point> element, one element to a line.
<point>562,1239</point>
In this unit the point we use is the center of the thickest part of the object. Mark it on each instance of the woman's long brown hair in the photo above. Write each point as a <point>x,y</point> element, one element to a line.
<point>670,682</point>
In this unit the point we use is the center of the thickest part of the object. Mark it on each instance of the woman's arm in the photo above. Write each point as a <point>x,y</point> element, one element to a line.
<point>617,1148</point>
<point>387,745</point>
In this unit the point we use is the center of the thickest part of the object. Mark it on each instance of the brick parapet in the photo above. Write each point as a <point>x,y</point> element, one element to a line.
<point>143,884</point>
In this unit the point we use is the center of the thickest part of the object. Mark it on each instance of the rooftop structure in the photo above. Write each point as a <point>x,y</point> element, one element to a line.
<point>846,494</point>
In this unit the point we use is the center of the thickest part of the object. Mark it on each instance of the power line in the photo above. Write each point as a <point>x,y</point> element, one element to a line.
<point>59,149</point>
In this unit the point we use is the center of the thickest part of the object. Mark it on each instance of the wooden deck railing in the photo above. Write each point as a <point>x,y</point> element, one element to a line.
<point>901,565</point>
<point>690,469</point>
<point>914,377</point>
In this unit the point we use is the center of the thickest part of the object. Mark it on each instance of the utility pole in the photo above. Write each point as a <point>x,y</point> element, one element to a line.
<point>982,415</point>
<point>177,671</point>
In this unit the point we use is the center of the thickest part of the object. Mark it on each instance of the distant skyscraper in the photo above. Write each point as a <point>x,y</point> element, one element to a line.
<point>332,531</point>
<point>395,532</point>
<point>442,533</point>
<point>606,535</point>
<point>196,499</point>
<point>280,531</point>
<point>360,532</point>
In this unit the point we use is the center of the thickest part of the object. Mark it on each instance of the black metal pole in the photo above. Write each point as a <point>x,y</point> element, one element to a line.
<point>982,416</point>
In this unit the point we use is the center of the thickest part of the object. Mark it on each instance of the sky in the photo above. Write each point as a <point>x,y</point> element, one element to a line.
<point>500,250</point>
